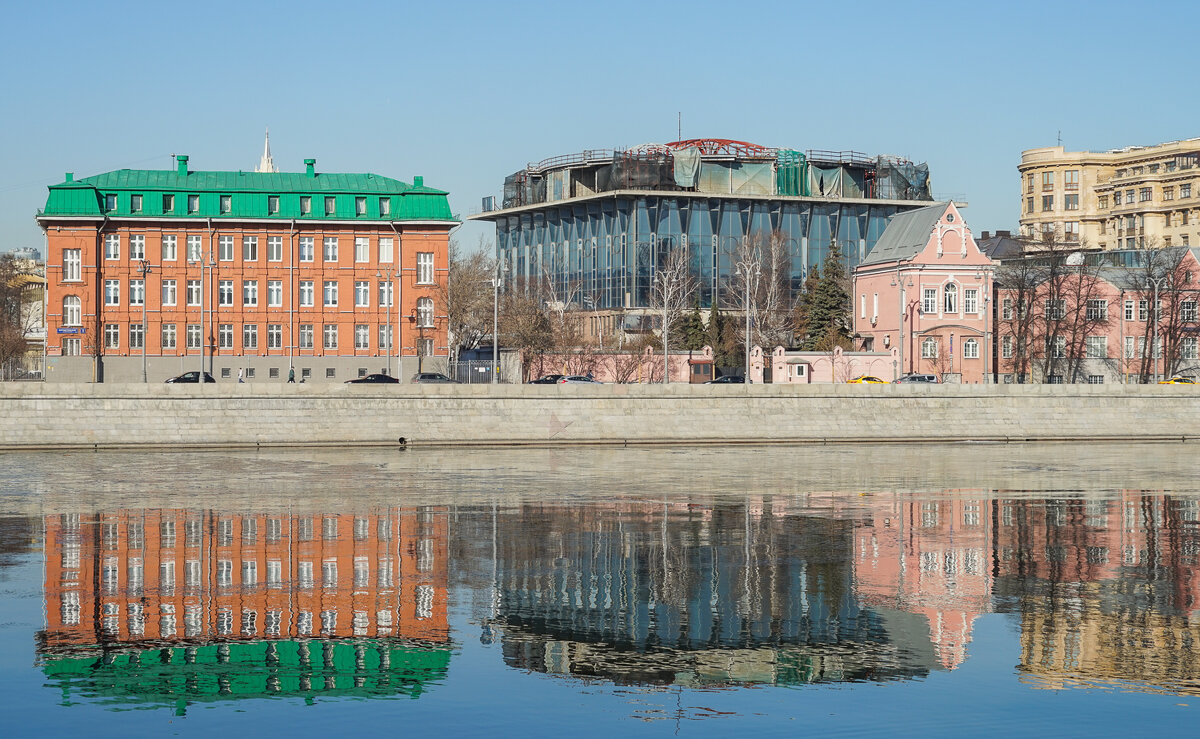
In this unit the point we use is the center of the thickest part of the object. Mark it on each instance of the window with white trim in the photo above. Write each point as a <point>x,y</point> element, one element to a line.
<point>274,335</point>
<point>362,294</point>
<point>425,268</point>
<point>249,292</point>
<point>362,249</point>
<point>274,293</point>
<point>1096,347</point>
<point>951,298</point>
<point>971,300</point>
<point>193,292</point>
<point>307,248</point>
<point>249,248</point>
<point>225,292</point>
<point>330,249</point>
<point>274,248</point>
<point>168,336</point>
<point>307,294</point>
<point>112,292</point>
<point>362,336</point>
<point>385,294</point>
<point>137,336</point>
<point>425,312</point>
<point>330,293</point>
<point>306,336</point>
<point>385,250</point>
<point>330,335</point>
<point>225,248</point>
<point>929,300</point>
<point>1006,347</point>
<point>72,264</point>
<point>112,336</point>
<point>193,336</point>
<point>195,248</point>
<point>225,336</point>
<point>250,336</point>
<point>137,292</point>
<point>971,349</point>
<point>929,348</point>
<point>112,246</point>
<point>170,248</point>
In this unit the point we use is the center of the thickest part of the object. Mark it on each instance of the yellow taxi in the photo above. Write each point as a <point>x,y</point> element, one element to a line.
<point>865,380</point>
<point>1178,381</point>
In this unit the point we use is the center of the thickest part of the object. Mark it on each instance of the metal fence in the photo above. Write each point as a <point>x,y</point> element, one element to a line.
<point>474,371</point>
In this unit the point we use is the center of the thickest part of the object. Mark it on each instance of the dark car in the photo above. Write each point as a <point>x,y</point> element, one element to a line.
<point>192,376</point>
<point>376,378</point>
<point>728,380</point>
<point>917,378</point>
<point>547,380</point>
<point>425,378</point>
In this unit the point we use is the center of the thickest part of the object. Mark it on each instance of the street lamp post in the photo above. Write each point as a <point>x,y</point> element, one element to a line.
<point>199,259</point>
<point>387,274</point>
<point>747,270</point>
<point>1154,349</point>
<point>145,270</point>
<point>496,326</point>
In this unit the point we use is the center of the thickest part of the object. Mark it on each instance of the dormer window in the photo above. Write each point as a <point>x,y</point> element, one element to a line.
<point>168,203</point>
<point>385,206</point>
<point>135,203</point>
<point>193,203</point>
<point>110,201</point>
<point>330,205</point>
<point>226,203</point>
<point>272,204</point>
<point>305,205</point>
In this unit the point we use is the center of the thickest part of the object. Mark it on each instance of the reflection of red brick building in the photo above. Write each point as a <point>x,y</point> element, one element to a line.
<point>187,576</point>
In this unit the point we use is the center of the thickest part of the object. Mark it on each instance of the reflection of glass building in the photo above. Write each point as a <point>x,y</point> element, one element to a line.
<point>597,224</point>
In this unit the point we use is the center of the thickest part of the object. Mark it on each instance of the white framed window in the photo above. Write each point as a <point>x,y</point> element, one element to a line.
<point>1096,347</point>
<point>71,347</point>
<point>195,247</point>
<point>1006,309</point>
<point>362,249</point>
<point>226,203</point>
<point>970,300</point>
<point>385,250</point>
<point>225,336</point>
<point>306,293</point>
<point>1188,348</point>
<point>330,205</point>
<point>362,336</point>
<point>1056,310</point>
<point>137,292</point>
<point>272,205</point>
<point>274,248</point>
<point>425,268</point>
<point>225,292</point>
<point>1187,311</point>
<point>1097,309</point>
<point>329,249</point>
<point>425,347</point>
<point>862,306</point>
<point>249,248</point>
<point>249,292</point>
<point>385,337</point>
<point>112,336</point>
<point>330,335</point>
<point>425,312</point>
<point>110,201</point>
<point>250,336</point>
<point>1006,347</point>
<point>1143,310</point>
<point>385,206</point>
<point>170,247</point>
<point>362,294</point>
<point>112,292</point>
<point>929,348</point>
<point>225,248</point>
<point>970,349</point>
<point>112,246</point>
<point>169,296</point>
<point>1058,347</point>
<point>307,248</point>
<point>137,246</point>
<point>137,336</point>
<point>306,336</point>
<point>193,292</point>
<point>193,336</point>
<point>193,203</point>
<point>951,298</point>
<point>360,206</point>
<point>274,293</point>
<point>330,293</point>
<point>135,203</point>
<point>274,335</point>
<point>168,336</point>
<point>305,205</point>
<point>385,294</point>
<point>929,300</point>
<point>72,265</point>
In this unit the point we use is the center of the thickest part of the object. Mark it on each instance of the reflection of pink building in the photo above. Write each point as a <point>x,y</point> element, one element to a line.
<point>924,289</point>
<point>928,557</point>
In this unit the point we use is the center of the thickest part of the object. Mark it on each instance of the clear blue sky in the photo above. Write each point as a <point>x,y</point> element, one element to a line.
<point>465,93</point>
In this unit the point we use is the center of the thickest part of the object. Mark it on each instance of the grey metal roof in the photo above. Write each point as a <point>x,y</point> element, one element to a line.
<point>906,234</point>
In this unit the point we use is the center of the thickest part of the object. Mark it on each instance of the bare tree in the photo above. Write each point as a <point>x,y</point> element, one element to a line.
<point>12,325</point>
<point>670,294</point>
<point>761,282</point>
<point>1165,290</point>
<point>467,295</point>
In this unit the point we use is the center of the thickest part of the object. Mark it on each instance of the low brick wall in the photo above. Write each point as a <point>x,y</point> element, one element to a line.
<point>228,414</point>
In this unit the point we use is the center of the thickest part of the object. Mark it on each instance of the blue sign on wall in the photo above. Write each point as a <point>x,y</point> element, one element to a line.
<point>72,330</point>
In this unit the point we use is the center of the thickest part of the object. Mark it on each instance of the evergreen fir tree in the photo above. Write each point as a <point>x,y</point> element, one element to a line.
<point>828,307</point>
<point>691,331</point>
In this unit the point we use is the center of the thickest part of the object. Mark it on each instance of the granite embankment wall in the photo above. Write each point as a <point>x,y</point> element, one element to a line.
<point>136,415</point>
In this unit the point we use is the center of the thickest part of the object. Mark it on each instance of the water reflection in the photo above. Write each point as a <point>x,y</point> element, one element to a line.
<point>180,605</point>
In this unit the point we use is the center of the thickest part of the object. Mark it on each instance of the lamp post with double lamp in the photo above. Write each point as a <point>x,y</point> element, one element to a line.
<point>1154,350</point>
<point>198,258</point>
<point>496,325</point>
<point>748,271</point>
<point>388,274</point>
<point>144,268</point>
<point>902,313</point>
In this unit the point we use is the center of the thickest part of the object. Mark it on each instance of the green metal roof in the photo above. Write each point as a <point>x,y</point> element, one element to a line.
<point>232,195</point>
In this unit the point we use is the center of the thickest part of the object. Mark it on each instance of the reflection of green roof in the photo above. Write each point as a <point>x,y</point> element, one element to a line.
<point>217,672</point>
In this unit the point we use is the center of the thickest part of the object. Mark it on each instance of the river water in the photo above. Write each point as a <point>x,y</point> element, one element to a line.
<point>909,589</point>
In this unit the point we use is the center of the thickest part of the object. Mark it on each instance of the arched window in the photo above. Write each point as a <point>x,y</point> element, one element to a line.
<point>72,311</point>
<point>929,348</point>
<point>970,349</point>
<point>951,303</point>
<point>425,312</point>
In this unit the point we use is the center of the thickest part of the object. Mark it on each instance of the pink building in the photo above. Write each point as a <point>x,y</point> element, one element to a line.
<point>924,289</point>
<point>796,367</point>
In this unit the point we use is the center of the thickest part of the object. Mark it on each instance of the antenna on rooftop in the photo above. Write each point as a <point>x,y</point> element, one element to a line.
<point>679,126</point>
<point>1060,137</point>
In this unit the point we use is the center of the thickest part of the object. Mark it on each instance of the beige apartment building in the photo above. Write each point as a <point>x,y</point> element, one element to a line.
<point>1131,198</point>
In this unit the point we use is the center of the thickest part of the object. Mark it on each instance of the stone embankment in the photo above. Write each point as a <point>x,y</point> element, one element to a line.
<point>105,416</point>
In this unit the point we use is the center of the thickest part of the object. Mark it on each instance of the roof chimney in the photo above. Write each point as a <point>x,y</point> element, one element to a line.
<point>310,167</point>
<point>1005,234</point>
<point>181,161</point>
<point>985,236</point>
<point>69,177</point>
<point>418,181</point>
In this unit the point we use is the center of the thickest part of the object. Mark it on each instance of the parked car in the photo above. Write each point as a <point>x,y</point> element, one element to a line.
<point>917,378</point>
<point>375,378</point>
<point>427,378</point>
<point>865,380</point>
<point>728,380</point>
<point>578,379</point>
<point>546,380</point>
<point>193,376</point>
<point>1178,381</point>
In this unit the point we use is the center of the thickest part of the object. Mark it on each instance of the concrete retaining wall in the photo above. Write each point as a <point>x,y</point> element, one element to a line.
<point>136,415</point>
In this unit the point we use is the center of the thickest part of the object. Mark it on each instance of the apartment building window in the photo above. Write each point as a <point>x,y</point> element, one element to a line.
<point>250,336</point>
<point>225,336</point>
<point>1071,202</point>
<point>168,203</point>
<point>1047,181</point>
<point>112,246</point>
<point>330,205</point>
<point>1187,311</point>
<point>274,335</point>
<point>1047,202</point>
<point>274,293</point>
<point>970,301</point>
<point>72,264</point>
<point>225,292</point>
<point>1095,379</point>
<point>1056,310</point>
<point>1057,345</point>
<point>112,292</point>
<point>1129,197</point>
<point>274,248</point>
<point>305,205</point>
<point>1006,347</point>
<point>1096,347</point>
<point>360,206</point>
<point>137,335</point>
<point>1143,194</point>
<point>1102,201</point>
<point>170,247</point>
<point>1189,347</point>
<point>306,293</point>
<point>193,203</point>
<point>307,248</point>
<point>137,246</point>
<point>272,204</point>
<point>385,250</point>
<point>1071,180</point>
<point>1185,190</point>
<point>193,336</point>
<point>385,337</point>
<point>1029,204</point>
<point>971,349</point>
<point>1006,311</point>
<point>1097,309</point>
<point>425,312</point>
<point>226,203</point>
<point>330,244</point>
<point>1117,197</point>
<point>362,294</point>
<point>195,246</point>
<point>1071,231</point>
<point>929,348</point>
<point>362,336</point>
<point>1143,310</point>
<point>250,292</point>
<point>1133,351</point>
<point>425,347</point>
<point>135,203</point>
<point>168,336</point>
<point>929,300</point>
<point>306,336</point>
<point>225,248</point>
<point>330,335</point>
<point>950,302</point>
<point>425,268</point>
<point>112,336</point>
<point>362,249</point>
<point>331,293</point>
<point>385,206</point>
<point>385,294</point>
<point>193,292</point>
<point>249,248</point>
<point>1168,193</point>
<point>137,292</point>
<point>1029,182</point>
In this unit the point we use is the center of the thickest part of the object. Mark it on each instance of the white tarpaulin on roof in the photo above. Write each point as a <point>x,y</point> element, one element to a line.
<point>687,166</point>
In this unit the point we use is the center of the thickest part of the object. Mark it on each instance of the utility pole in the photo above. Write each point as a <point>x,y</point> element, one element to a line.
<point>496,325</point>
<point>386,274</point>
<point>145,270</point>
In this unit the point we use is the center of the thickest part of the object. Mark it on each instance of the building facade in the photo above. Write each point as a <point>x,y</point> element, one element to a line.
<point>1132,198</point>
<point>250,275</point>
<point>593,228</point>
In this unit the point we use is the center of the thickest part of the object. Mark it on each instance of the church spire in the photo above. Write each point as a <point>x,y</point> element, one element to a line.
<point>266,164</point>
